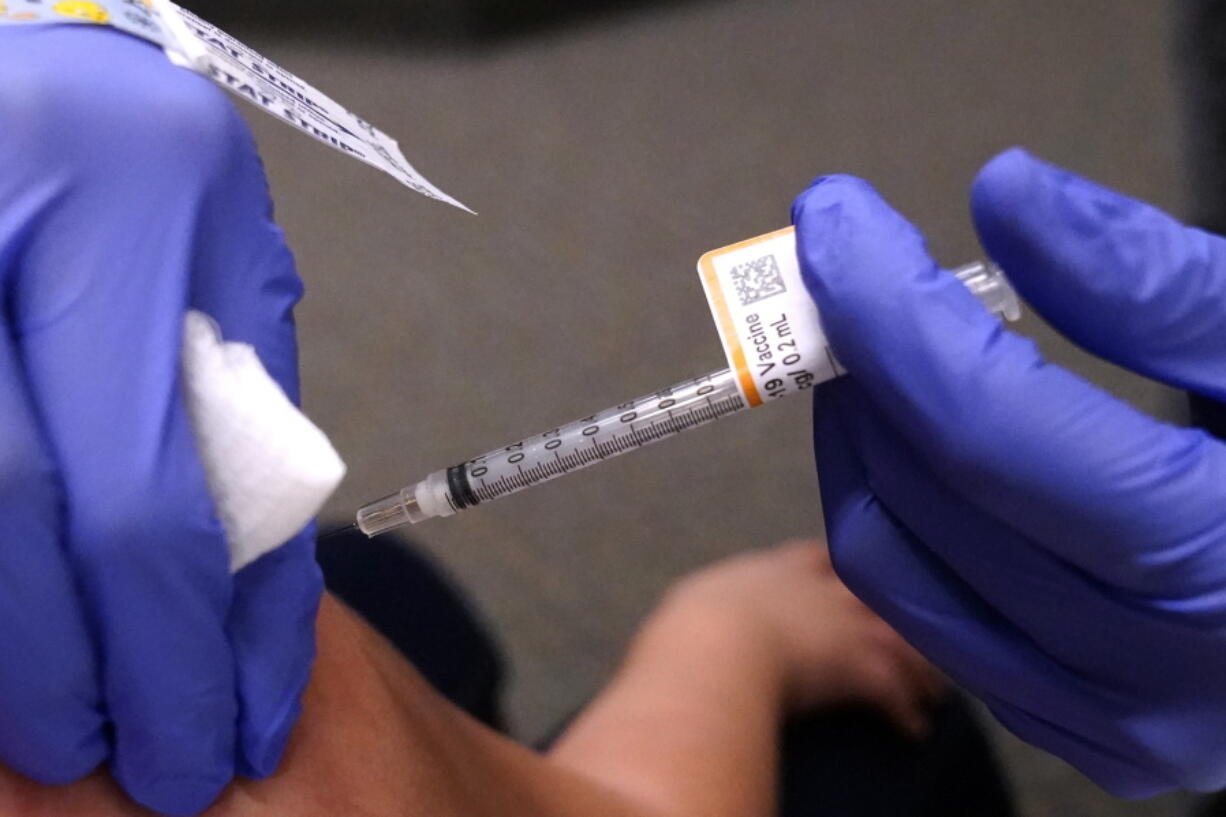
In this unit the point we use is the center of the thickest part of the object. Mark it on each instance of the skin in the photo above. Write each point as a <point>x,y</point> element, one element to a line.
<point>728,654</point>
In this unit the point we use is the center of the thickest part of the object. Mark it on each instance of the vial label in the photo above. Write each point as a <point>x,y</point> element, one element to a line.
<point>202,47</point>
<point>769,326</point>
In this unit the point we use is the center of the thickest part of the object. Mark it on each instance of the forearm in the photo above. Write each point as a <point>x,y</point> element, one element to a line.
<point>690,724</point>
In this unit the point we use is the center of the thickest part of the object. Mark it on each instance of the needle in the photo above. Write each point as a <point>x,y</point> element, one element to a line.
<point>339,531</point>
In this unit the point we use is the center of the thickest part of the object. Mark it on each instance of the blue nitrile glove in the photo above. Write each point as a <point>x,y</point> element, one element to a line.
<point>130,191</point>
<point>1058,553</point>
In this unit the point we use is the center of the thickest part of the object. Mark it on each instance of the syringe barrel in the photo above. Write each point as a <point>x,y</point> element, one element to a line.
<point>556,452</point>
<point>607,434</point>
<point>599,437</point>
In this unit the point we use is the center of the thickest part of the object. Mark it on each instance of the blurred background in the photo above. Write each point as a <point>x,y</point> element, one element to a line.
<point>606,146</point>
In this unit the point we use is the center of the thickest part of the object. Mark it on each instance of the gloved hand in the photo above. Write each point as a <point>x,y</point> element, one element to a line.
<point>1058,553</point>
<point>130,191</point>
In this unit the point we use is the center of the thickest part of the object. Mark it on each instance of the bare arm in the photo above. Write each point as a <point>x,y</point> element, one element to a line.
<point>687,728</point>
<point>374,739</point>
<point>690,725</point>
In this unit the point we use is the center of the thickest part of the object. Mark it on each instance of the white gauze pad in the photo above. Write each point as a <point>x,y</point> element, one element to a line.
<point>269,468</point>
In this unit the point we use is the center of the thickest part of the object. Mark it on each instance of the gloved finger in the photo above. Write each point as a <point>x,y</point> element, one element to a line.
<point>1118,276</point>
<point>1038,448</point>
<point>105,285</point>
<point>150,555</point>
<point>922,598</point>
<point>249,285</point>
<point>1109,767</point>
<point>1026,584</point>
<point>272,627</point>
<point>1073,619</point>
<point>51,721</point>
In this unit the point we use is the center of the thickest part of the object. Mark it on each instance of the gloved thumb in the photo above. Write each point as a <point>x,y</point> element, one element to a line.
<point>1119,277</point>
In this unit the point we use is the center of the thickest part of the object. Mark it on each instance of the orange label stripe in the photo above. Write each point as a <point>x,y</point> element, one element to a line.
<point>728,330</point>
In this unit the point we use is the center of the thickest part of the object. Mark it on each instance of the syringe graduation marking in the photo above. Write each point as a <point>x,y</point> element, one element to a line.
<point>612,444</point>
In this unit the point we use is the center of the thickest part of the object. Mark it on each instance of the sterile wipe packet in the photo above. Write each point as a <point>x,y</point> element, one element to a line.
<point>202,47</point>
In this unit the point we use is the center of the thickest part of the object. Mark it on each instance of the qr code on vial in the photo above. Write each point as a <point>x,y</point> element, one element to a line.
<point>757,280</point>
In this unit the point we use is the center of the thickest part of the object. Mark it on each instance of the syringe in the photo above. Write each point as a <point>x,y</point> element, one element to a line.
<point>610,433</point>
